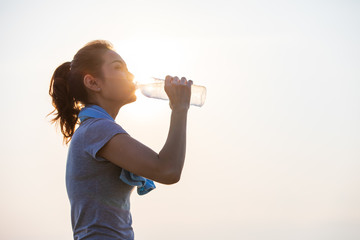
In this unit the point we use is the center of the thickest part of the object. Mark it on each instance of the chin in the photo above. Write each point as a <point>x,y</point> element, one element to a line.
<point>134,97</point>
<point>131,99</point>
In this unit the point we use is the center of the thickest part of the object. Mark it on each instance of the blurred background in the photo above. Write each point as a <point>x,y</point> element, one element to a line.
<point>273,153</point>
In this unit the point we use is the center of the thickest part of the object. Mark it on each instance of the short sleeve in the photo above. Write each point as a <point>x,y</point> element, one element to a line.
<point>98,133</point>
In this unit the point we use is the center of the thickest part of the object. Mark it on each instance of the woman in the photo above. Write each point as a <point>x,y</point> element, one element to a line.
<point>104,163</point>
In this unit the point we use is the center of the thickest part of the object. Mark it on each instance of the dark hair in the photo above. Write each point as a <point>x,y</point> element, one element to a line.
<point>67,85</point>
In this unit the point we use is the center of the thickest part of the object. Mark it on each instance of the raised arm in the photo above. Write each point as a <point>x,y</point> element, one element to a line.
<point>165,167</point>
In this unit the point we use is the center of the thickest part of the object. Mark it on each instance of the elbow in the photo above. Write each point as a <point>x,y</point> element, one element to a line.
<point>171,178</point>
<point>168,172</point>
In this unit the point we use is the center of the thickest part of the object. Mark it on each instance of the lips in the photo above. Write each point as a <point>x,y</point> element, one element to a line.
<point>133,87</point>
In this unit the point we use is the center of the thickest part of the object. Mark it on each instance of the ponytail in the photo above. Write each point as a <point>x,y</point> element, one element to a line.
<point>63,101</point>
<point>67,87</point>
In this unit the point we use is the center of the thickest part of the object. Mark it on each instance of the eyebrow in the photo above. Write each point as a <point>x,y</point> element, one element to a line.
<point>119,61</point>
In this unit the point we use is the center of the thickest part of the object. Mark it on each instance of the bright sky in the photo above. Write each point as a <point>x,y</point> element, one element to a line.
<point>273,153</point>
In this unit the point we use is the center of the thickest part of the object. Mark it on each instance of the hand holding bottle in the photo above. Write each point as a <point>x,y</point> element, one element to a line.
<point>178,91</point>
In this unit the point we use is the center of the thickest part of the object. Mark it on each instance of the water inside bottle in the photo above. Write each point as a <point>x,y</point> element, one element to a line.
<point>155,89</point>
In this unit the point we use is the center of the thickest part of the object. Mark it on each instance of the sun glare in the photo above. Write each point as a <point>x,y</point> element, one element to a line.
<point>147,58</point>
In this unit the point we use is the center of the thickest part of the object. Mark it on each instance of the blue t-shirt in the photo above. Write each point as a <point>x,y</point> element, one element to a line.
<point>100,201</point>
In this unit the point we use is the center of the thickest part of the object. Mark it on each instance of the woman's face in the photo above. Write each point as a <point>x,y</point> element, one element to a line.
<point>117,84</point>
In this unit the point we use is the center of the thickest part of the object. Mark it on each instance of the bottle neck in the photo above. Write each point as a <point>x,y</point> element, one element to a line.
<point>138,85</point>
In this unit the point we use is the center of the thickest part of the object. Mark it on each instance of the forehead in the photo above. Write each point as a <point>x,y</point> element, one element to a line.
<point>110,56</point>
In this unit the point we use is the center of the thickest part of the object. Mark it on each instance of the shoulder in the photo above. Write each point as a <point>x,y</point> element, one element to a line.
<point>94,123</point>
<point>94,133</point>
<point>101,126</point>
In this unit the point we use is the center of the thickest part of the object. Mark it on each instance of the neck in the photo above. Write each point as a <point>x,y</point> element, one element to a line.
<point>111,109</point>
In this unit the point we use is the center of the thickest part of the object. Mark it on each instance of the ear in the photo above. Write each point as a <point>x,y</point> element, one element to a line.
<point>92,83</point>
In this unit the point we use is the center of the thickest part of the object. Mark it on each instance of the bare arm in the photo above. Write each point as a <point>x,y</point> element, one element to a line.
<point>165,167</point>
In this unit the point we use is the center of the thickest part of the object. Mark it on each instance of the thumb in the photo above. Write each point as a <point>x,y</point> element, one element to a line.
<point>170,104</point>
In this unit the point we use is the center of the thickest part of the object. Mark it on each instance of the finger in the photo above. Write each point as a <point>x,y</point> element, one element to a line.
<point>175,80</point>
<point>190,82</point>
<point>168,79</point>
<point>183,81</point>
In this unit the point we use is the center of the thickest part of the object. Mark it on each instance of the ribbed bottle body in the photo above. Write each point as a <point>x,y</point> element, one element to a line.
<point>156,90</point>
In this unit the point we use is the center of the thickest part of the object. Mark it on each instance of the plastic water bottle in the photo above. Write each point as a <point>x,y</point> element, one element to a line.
<point>156,90</point>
